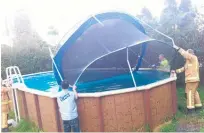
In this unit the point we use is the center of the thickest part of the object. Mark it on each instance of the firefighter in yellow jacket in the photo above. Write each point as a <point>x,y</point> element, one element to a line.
<point>192,79</point>
<point>5,108</point>
<point>164,64</point>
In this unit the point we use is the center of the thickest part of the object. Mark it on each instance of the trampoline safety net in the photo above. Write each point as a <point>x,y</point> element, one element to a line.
<point>98,49</point>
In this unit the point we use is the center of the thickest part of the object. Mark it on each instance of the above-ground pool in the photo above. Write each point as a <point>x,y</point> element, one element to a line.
<point>45,81</point>
<point>108,105</point>
<point>113,103</point>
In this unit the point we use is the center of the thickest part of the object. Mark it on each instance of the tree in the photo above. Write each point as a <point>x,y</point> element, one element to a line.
<point>29,51</point>
<point>185,6</point>
<point>146,13</point>
<point>147,17</point>
<point>6,59</point>
<point>184,24</point>
<point>52,31</point>
<point>168,18</point>
<point>170,4</point>
<point>53,36</point>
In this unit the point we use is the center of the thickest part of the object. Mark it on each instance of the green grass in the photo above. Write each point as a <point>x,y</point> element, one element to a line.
<point>169,128</point>
<point>201,92</point>
<point>147,128</point>
<point>181,113</point>
<point>11,115</point>
<point>25,126</point>
<point>202,129</point>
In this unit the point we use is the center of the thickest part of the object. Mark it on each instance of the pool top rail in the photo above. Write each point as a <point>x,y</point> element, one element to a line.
<point>53,94</point>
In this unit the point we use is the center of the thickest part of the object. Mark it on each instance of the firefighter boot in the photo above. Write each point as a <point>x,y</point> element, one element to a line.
<point>198,109</point>
<point>191,111</point>
<point>4,130</point>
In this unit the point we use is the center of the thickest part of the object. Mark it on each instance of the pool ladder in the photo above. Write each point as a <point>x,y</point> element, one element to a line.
<point>13,72</point>
<point>16,74</point>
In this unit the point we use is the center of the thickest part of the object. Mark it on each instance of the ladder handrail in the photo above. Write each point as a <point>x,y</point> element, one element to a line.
<point>8,77</point>
<point>21,78</point>
<point>18,76</point>
<point>17,73</point>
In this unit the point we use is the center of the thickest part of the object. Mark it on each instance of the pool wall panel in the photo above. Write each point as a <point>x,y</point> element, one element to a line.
<point>160,104</point>
<point>109,114</point>
<point>137,109</point>
<point>48,114</point>
<point>32,109</point>
<point>22,104</point>
<point>147,109</point>
<point>123,112</point>
<point>131,111</point>
<point>174,97</point>
<point>61,129</point>
<point>90,120</point>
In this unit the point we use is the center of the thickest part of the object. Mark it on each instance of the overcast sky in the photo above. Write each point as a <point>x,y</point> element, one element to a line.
<point>64,14</point>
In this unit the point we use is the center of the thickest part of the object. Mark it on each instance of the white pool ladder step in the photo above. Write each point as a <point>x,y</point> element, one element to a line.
<point>13,72</point>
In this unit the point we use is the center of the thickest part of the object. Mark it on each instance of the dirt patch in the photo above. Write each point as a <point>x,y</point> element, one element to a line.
<point>190,124</point>
<point>188,127</point>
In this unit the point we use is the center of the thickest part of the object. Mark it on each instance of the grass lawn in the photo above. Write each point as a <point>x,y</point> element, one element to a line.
<point>181,119</point>
<point>23,125</point>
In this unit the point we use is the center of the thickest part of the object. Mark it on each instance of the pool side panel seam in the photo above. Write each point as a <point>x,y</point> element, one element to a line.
<point>57,116</point>
<point>25,105</point>
<point>115,113</point>
<point>130,101</point>
<point>174,98</point>
<point>101,115</point>
<point>147,109</point>
<point>38,111</point>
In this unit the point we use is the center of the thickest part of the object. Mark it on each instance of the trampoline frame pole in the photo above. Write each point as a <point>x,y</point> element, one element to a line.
<point>133,79</point>
<point>97,20</point>
<point>157,31</point>
<point>52,57</point>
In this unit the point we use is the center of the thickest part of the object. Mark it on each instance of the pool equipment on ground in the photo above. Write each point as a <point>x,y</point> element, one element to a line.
<point>12,122</point>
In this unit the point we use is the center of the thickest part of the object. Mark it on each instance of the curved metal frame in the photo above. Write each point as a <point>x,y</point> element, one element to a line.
<point>94,16</point>
<point>106,55</point>
<point>133,79</point>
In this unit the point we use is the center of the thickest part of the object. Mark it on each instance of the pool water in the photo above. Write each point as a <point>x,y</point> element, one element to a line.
<point>46,81</point>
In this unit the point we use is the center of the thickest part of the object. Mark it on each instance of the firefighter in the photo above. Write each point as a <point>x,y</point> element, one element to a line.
<point>5,108</point>
<point>164,64</point>
<point>192,79</point>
